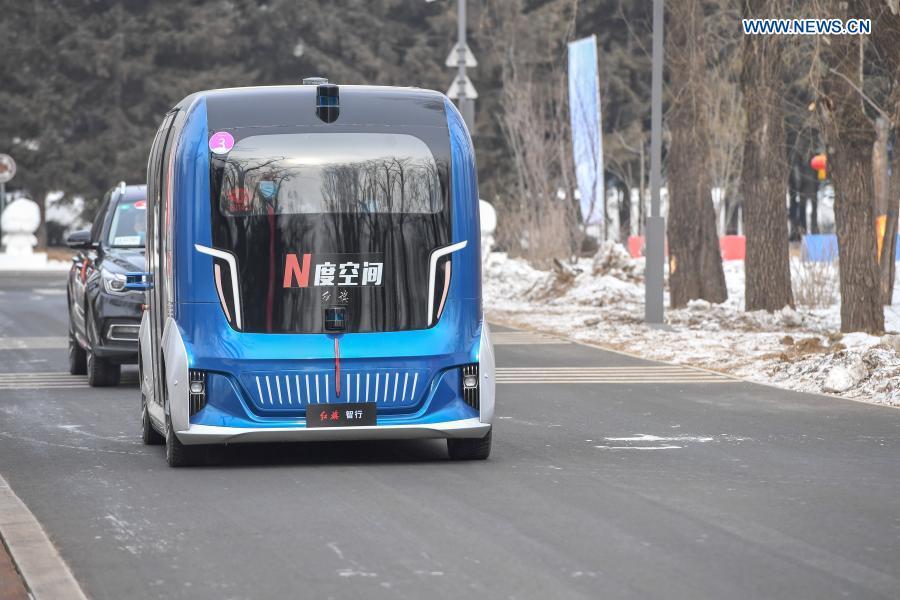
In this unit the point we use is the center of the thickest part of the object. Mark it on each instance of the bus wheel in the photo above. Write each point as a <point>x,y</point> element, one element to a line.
<point>177,454</point>
<point>149,436</point>
<point>469,449</point>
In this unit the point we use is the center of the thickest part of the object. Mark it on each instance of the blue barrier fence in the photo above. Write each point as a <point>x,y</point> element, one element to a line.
<point>823,247</point>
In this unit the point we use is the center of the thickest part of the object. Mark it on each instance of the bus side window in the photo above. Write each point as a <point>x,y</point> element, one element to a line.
<point>153,192</point>
<point>167,210</point>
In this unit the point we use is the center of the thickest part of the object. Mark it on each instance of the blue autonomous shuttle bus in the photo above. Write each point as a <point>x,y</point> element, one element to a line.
<point>313,272</point>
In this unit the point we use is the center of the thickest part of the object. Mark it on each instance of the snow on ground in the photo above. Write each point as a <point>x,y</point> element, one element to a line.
<point>601,301</point>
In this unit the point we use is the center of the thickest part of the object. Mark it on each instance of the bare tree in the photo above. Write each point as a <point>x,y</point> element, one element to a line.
<point>535,221</point>
<point>695,262</point>
<point>850,134</point>
<point>726,120</point>
<point>765,170</point>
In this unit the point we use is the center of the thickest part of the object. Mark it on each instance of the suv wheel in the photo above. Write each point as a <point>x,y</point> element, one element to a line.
<point>77,356</point>
<point>469,449</point>
<point>101,372</point>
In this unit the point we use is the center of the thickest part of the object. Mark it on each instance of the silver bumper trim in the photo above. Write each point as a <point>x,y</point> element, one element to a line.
<point>211,434</point>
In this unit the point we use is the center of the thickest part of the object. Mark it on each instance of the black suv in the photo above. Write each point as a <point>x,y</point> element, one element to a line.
<point>104,317</point>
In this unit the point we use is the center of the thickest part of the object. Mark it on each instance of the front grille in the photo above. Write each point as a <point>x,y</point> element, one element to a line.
<point>197,401</point>
<point>295,390</point>
<point>470,395</point>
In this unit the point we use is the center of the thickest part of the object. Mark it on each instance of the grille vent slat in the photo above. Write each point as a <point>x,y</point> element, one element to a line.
<point>196,401</point>
<point>296,390</point>
<point>470,395</point>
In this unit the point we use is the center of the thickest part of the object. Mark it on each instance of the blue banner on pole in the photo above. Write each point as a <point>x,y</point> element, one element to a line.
<point>587,141</point>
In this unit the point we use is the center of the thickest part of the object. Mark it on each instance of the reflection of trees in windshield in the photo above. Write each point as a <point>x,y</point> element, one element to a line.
<point>386,185</point>
<point>242,193</point>
<point>381,197</point>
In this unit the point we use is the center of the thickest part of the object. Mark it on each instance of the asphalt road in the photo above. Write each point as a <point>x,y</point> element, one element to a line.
<point>629,480</point>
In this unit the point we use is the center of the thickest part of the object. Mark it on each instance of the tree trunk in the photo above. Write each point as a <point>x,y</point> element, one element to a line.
<point>885,218</point>
<point>887,262</point>
<point>765,172</point>
<point>695,261</point>
<point>884,42</point>
<point>850,133</point>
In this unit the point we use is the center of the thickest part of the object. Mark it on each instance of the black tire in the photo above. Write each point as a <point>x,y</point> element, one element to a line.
<point>77,356</point>
<point>101,372</point>
<point>149,436</point>
<point>179,455</point>
<point>469,448</point>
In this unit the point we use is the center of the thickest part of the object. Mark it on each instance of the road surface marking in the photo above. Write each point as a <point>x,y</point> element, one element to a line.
<point>33,343</point>
<point>639,374</point>
<point>45,381</point>
<point>43,569</point>
<point>518,338</point>
<point>662,442</point>
<point>639,447</point>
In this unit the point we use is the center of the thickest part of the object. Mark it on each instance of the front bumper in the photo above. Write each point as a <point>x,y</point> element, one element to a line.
<point>211,434</point>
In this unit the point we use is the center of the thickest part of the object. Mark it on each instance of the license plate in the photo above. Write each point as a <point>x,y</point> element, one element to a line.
<point>353,414</point>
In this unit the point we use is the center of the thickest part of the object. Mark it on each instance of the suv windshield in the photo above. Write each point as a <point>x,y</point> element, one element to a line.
<point>129,224</point>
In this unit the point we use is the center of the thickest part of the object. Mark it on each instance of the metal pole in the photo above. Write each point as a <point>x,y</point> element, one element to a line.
<point>656,226</point>
<point>466,105</point>
<point>2,206</point>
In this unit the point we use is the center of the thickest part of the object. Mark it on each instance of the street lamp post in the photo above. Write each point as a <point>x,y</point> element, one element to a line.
<point>656,225</point>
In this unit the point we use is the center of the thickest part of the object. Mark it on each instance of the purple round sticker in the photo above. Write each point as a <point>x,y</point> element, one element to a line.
<point>221,142</point>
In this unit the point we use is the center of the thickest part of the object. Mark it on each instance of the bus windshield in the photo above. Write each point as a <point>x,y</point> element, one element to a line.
<point>317,220</point>
<point>330,173</point>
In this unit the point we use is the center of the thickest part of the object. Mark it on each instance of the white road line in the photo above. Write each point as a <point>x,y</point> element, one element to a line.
<point>613,381</point>
<point>43,569</point>
<point>641,374</point>
<point>519,338</point>
<point>641,369</point>
<point>33,343</point>
<point>667,447</point>
<point>51,381</point>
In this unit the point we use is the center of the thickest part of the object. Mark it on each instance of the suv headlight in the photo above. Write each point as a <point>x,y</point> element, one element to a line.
<point>113,283</point>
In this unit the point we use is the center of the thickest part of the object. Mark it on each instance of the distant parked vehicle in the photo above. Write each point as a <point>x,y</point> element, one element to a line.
<point>104,316</point>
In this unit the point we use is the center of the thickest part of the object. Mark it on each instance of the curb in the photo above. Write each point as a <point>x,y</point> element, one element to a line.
<point>45,573</point>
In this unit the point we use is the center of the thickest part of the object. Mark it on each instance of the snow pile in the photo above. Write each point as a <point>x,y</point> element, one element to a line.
<point>601,300</point>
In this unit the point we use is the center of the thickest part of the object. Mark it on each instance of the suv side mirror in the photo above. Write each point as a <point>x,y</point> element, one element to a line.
<point>80,240</point>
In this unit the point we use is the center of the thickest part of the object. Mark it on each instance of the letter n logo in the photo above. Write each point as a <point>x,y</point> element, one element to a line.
<point>293,271</point>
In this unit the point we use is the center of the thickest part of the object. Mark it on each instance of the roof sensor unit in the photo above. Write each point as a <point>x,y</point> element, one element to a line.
<point>314,80</point>
<point>327,102</point>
